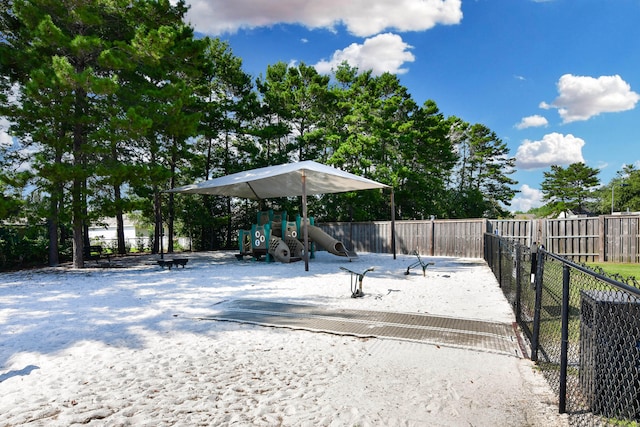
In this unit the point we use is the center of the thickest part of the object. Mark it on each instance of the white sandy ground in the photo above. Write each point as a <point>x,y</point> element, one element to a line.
<point>118,347</point>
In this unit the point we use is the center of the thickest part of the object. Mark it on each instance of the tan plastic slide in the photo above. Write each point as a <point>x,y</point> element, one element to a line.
<point>279,249</point>
<point>332,245</point>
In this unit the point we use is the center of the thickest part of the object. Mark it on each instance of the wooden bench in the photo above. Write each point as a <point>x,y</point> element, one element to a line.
<point>180,261</point>
<point>171,262</point>
<point>95,253</point>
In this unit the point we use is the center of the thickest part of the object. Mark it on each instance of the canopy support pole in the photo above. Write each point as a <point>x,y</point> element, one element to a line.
<point>393,224</point>
<point>305,228</point>
<point>161,225</point>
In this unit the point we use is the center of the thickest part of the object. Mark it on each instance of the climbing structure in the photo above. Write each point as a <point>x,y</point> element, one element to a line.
<point>274,237</point>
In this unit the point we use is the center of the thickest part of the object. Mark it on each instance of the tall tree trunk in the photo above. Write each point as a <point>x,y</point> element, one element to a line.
<point>53,237</point>
<point>171,206</point>
<point>77,189</point>
<point>229,223</point>
<point>227,161</point>
<point>207,166</point>
<point>77,223</point>
<point>55,207</point>
<point>117,196</point>
<point>86,242</point>
<point>117,201</point>
<point>157,229</point>
<point>157,208</point>
<point>170,221</point>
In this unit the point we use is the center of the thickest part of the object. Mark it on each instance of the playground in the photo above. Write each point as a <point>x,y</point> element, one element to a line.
<point>146,345</point>
<point>304,178</point>
<point>277,238</point>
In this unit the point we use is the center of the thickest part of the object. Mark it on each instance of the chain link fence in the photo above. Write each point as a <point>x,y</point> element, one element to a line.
<point>583,328</point>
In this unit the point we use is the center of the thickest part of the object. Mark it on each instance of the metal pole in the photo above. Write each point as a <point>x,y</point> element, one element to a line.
<point>433,236</point>
<point>161,226</point>
<point>305,228</point>
<point>612,193</point>
<point>562,404</point>
<point>393,224</point>
<point>538,306</point>
<point>499,262</point>
<point>518,282</point>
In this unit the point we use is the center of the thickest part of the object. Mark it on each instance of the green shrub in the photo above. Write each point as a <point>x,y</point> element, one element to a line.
<point>22,246</point>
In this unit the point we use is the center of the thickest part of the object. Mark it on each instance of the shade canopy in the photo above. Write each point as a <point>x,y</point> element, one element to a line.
<point>282,181</point>
<point>288,180</point>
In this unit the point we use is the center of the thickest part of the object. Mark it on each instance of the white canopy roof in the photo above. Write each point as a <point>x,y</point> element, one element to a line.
<point>292,179</point>
<point>282,181</point>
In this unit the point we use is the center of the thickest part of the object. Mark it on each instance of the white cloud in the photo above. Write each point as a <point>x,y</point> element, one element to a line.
<point>361,17</point>
<point>5,138</point>
<point>382,53</point>
<point>532,121</point>
<point>527,198</point>
<point>582,97</point>
<point>13,95</point>
<point>553,149</point>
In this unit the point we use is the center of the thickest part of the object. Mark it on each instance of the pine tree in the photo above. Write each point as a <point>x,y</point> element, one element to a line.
<point>568,189</point>
<point>481,182</point>
<point>74,65</point>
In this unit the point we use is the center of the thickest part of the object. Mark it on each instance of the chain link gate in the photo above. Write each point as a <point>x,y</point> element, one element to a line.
<point>583,328</point>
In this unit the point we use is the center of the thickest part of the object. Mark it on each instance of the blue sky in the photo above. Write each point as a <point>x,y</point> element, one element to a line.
<point>557,80</point>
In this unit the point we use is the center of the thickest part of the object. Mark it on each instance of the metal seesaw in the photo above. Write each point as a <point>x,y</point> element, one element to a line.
<point>419,262</point>
<point>356,281</point>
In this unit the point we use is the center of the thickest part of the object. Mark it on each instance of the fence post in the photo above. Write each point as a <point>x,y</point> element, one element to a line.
<point>518,280</point>
<point>432,250</point>
<point>486,251</point>
<point>538,305</point>
<point>602,239</point>
<point>566,275</point>
<point>499,261</point>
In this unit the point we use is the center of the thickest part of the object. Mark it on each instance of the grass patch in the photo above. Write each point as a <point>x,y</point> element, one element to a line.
<point>623,269</point>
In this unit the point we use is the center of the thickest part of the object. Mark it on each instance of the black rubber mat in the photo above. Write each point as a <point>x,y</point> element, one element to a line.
<point>472,334</point>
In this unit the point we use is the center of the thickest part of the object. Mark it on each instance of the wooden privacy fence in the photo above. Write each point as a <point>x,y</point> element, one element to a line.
<point>605,238</point>
<point>462,238</point>
<point>613,238</point>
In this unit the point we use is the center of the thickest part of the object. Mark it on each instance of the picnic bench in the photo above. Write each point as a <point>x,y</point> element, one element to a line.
<point>171,262</point>
<point>96,253</point>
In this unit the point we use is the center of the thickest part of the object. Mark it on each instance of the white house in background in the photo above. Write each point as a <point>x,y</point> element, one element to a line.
<point>134,235</point>
<point>106,234</point>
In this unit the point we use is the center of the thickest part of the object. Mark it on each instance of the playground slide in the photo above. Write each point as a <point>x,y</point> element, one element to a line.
<point>287,250</point>
<point>332,245</point>
<point>279,249</point>
<point>295,246</point>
